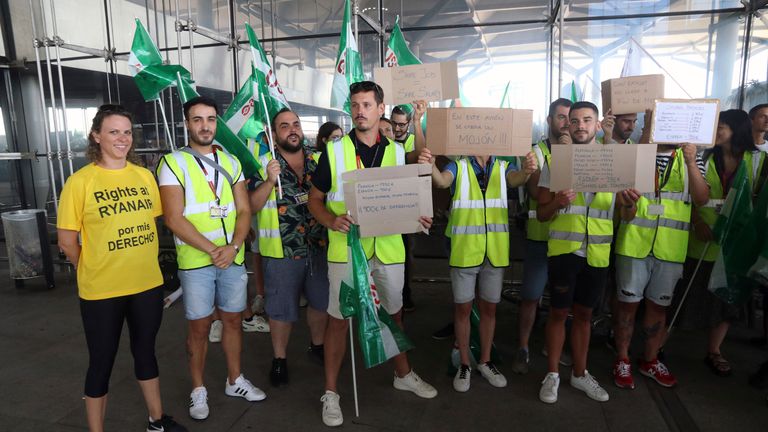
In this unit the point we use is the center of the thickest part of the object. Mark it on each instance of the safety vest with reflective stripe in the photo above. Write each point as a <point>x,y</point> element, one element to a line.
<point>410,143</point>
<point>198,197</point>
<point>709,211</point>
<point>580,223</point>
<point>342,158</point>
<point>479,225</point>
<point>601,140</point>
<point>666,235</point>
<point>536,230</point>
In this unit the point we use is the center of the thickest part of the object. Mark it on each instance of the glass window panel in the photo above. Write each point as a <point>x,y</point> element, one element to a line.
<point>599,8</point>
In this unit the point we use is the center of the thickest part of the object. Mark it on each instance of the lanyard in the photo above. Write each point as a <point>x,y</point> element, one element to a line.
<point>375,155</point>
<point>214,185</point>
<point>666,174</point>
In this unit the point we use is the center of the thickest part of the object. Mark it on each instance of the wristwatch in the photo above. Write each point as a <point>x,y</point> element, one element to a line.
<point>237,248</point>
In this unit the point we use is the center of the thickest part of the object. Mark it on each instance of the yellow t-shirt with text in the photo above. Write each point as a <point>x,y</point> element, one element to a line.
<point>114,211</point>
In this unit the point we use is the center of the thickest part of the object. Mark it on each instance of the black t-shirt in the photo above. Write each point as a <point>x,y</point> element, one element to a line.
<point>369,156</point>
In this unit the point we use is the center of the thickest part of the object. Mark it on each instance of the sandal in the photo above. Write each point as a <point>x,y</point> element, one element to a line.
<point>718,364</point>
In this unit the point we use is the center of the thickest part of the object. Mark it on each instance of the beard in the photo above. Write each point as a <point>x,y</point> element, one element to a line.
<point>199,140</point>
<point>586,140</point>
<point>287,146</point>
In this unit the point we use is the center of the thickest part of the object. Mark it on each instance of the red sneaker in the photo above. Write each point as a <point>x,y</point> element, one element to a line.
<point>622,374</point>
<point>658,371</point>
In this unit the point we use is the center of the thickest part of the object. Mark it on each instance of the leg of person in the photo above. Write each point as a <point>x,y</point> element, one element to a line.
<point>283,279</point>
<point>491,282</point>
<point>463,282</point>
<point>658,297</point>
<point>388,279</point>
<point>335,346</point>
<point>316,292</point>
<point>590,286</point>
<point>408,304</point>
<point>562,270</point>
<point>144,314</point>
<point>534,281</point>
<point>632,277</point>
<point>102,323</point>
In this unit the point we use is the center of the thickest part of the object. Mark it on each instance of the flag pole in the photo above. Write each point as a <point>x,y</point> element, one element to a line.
<point>165,124</point>
<point>685,294</point>
<point>178,75</point>
<point>354,371</point>
<point>271,145</point>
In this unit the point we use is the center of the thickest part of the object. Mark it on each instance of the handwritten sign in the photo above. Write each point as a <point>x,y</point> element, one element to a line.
<point>602,167</point>
<point>479,131</point>
<point>389,200</point>
<point>678,121</point>
<point>429,82</point>
<point>632,94</point>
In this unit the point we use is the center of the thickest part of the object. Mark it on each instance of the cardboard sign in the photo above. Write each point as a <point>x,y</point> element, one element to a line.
<point>632,94</point>
<point>389,200</point>
<point>479,131</point>
<point>429,82</point>
<point>679,121</point>
<point>602,167</point>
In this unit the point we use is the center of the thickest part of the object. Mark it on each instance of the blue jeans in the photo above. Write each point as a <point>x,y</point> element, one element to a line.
<point>211,286</point>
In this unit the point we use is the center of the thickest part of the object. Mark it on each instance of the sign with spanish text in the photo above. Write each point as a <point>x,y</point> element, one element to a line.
<point>680,121</point>
<point>602,167</point>
<point>428,81</point>
<point>479,131</point>
<point>633,94</point>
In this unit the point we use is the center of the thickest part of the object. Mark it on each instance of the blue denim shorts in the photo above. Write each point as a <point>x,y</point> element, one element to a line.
<point>211,286</point>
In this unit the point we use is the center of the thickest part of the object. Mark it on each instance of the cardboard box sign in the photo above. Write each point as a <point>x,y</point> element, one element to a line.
<point>679,121</point>
<point>602,167</point>
<point>632,94</point>
<point>389,200</point>
<point>479,131</point>
<point>429,82</point>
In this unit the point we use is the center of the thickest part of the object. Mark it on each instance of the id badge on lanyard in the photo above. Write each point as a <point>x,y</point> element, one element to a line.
<point>215,209</point>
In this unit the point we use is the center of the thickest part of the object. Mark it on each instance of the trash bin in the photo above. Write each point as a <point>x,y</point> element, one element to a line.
<point>29,251</point>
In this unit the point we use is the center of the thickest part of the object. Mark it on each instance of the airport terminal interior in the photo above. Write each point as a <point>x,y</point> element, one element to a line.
<point>60,60</point>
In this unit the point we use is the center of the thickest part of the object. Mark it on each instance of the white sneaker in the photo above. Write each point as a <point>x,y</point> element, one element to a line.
<point>489,371</point>
<point>244,389</point>
<point>415,384</point>
<point>258,305</point>
<point>198,403</point>
<point>461,380</point>
<point>331,409</point>
<point>255,324</point>
<point>214,335</point>
<point>588,384</point>
<point>548,392</point>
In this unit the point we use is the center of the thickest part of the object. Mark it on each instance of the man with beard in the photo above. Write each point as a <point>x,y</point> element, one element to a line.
<point>618,128</point>
<point>579,248</point>
<point>205,204</point>
<point>292,243</point>
<point>535,261</point>
<point>401,122</point>
<point>363,147</point>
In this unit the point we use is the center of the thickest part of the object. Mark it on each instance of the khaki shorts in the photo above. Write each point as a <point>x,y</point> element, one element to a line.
<point>388,278</point>
<point>487,278</point>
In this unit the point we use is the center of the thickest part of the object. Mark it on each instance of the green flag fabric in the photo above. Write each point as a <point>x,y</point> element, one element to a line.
<point>266,79</point>
<point>224,135</point>
<point>759,270</point>
<point>349,65</point>
<point>146,66</point>
<point>380,337</point>
<point>398,53</point>
<point>244,116</point>
<point>574,96</point>
<point>735,233</point>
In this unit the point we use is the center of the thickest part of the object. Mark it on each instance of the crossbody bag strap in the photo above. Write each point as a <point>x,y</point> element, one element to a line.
<point>210,162</point>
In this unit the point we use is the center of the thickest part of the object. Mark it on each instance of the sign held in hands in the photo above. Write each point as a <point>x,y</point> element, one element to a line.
<point>389,200</point>
<point>479,131</point>
<point>633,94</point>
<point>428,81</point>
<point>602,167</point>
<point>679,121</point>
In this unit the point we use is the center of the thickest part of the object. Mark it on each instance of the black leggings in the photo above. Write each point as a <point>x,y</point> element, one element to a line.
<point>103,323</point>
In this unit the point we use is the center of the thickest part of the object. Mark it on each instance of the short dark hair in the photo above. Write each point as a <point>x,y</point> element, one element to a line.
<point>584,104</point>
<point>386,120</point>
<point>324,132</point>
<point>200,100</point>
<point>558,103</point>
<point>367,86</point>
<point>755,109</point>
<point>400,111</point>
<point>274,117</point>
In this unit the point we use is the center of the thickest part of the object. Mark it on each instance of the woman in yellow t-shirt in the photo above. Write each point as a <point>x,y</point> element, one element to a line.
<point>112,204</point>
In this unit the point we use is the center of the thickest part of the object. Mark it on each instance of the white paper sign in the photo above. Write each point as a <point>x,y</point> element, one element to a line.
<point>678,121</point>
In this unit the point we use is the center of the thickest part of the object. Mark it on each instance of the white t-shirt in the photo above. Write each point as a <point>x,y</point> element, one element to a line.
<point>166,177</point>
<point>763,147</point>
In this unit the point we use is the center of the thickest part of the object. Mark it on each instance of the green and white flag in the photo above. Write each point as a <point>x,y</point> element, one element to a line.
<point>398,53</point>
<point>244,115</point>
<point>739,247</point>
<point>269,87</point>
<point>349,66</point>
<point>224,135</point>
<point>146,66</point>
<point>380,337</point>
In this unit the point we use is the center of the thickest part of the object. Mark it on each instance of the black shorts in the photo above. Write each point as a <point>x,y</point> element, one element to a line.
<point>572,280</point>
